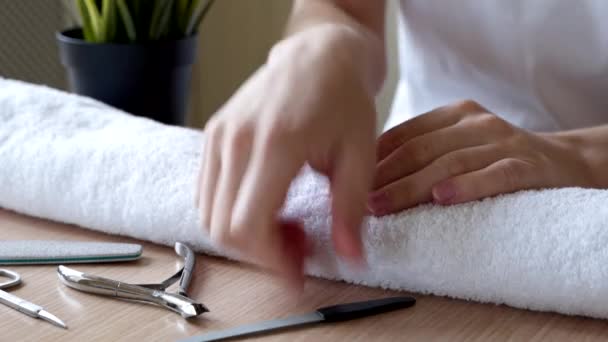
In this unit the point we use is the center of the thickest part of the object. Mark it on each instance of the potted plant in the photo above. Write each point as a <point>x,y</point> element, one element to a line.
<point>136,55</point>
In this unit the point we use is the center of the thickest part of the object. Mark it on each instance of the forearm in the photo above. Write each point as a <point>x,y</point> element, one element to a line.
<point>592,145</point>
<point>351,30</point>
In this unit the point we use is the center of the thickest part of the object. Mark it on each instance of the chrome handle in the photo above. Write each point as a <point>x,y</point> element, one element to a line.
<point>14,279</point>
<point>103,286</point>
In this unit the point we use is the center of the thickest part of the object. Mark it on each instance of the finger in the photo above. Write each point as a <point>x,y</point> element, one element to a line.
<point>431,121</point>
<point>350,185</point>
<point>417,188</point>
<point>254,226</point>
<point>504,176</point>
<point>421,151</point>
<point>297,247</point>
<point>199,179</point>
<point>210,170</point>
<point>236,151</point>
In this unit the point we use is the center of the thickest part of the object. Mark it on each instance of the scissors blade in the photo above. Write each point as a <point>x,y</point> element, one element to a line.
<point>49,317</point>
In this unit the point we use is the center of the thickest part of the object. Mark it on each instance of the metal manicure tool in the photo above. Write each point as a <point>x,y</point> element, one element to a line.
<point>22,305</point>
<point>149,293</point>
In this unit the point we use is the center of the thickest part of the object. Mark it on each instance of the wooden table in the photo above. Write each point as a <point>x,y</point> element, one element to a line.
<point>238,294</point>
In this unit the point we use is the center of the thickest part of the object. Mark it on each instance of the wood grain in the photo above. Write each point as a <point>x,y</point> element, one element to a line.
<point>238,294</point>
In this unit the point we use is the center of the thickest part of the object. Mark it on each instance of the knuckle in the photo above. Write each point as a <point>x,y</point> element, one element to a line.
<point>493,123</point>
<point>484,121</point>
<point>416,157</point>
<point>280,141</point>
<point>503,148</point>
<point>517,143</point>
<point>213,130</point>
<point>406,198</point>
<point>205,219</point>
<point>387,142</point>
<point>274,136</point>
<point>380,176</point>
<point>240,232</point>
<point>468,106</point>
<point>220,237</point>
<point>453,165</point>
<point>418,152</point>
<point>399,196</point>
<point>239,138</point>
<point>212,124</point>
<point>512,172</point>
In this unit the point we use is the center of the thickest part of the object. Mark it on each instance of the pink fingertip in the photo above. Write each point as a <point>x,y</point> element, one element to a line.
<point>444,193</point>
<point>379,203</point>
<point>346,243</point>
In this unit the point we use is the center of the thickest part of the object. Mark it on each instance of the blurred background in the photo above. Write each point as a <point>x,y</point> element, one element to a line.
<point>235,38</point>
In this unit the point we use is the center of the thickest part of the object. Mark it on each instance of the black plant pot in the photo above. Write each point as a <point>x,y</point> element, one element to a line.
<point>150,80</point>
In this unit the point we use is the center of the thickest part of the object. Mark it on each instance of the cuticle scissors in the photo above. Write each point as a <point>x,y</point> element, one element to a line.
<point>148,293</point>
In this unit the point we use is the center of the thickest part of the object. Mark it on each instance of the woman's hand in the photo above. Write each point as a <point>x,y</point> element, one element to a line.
<point>309,104</point>
<point>462,153</point>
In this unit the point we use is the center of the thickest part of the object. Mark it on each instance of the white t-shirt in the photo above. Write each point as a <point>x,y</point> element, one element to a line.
<point>540,64</point>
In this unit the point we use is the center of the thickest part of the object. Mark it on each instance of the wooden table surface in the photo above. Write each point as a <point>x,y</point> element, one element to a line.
<point>238,294</point>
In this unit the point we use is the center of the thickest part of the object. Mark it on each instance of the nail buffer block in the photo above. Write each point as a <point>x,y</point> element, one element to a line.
<point>36,252</point>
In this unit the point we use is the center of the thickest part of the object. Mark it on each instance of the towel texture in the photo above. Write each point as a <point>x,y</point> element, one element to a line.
<point>74,160</point>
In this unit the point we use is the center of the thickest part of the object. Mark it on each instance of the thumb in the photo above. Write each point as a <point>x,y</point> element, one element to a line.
<point>351,180</point>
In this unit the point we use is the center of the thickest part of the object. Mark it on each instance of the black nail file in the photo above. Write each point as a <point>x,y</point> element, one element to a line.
<point>336,313</point>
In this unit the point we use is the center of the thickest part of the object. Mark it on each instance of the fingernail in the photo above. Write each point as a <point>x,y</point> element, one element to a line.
<point>444,193</point>
<point>348,247</point>
<point>351,250</point>
<point>358,263</point>
<point>379,203</point>
<point>346,243</point>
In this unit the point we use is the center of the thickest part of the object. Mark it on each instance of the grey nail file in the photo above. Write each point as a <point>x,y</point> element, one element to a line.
<point>36,252</point>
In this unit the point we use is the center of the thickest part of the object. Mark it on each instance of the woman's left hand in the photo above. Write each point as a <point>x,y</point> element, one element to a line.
<point>461,153</point>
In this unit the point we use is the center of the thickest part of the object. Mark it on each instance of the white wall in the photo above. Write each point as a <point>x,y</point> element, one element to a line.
<point>385,98</point>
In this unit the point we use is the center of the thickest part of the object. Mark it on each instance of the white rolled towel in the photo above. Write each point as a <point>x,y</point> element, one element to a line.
<point>74,160</point>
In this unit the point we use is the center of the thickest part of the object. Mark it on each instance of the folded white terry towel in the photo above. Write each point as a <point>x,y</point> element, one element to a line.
<point>74,160</point>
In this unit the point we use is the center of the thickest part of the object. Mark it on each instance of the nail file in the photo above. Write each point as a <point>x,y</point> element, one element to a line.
<point>337,313</point>
<point>37,252</point>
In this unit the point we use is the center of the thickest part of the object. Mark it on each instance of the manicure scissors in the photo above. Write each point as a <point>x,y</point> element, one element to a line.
<point>22,305</point>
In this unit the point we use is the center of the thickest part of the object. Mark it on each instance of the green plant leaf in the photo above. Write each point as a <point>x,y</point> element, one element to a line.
<point>136,7</point>
<point>160,18</point>
<point>140,20</point>
<point>182,14</point>
<point>87,29</point>
<point>109,19</point>
<point>199,10</point>
<point>127,20</point>
<point>165,21</point>
<point>95,20</point>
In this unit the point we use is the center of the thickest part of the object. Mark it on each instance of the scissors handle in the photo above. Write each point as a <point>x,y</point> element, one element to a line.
<point>14,279</point>
<point>19,304</point>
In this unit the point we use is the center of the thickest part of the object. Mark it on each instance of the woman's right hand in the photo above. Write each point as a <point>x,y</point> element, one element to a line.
<point>310,103</point>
